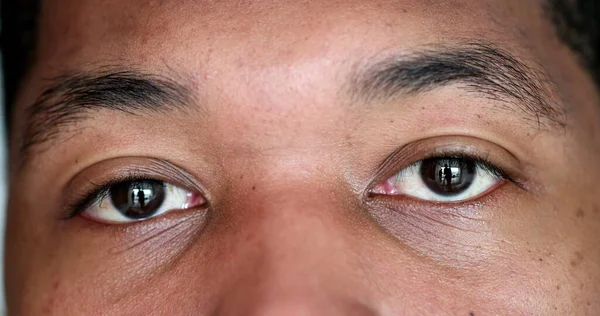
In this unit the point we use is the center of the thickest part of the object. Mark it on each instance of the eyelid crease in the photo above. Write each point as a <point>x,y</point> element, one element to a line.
<point>82,192</point>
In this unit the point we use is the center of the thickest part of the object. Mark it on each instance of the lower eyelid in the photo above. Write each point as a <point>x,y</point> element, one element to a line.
<point>492,196</point>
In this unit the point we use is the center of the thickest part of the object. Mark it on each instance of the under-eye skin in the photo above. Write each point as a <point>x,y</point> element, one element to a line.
<point>447,170</point>
<point>447,216</point>
<point>127,192</point>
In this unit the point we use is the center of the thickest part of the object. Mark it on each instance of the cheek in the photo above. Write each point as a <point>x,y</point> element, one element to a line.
<point>84,266</point>
<point>504,285</point>
<point>553,256</point>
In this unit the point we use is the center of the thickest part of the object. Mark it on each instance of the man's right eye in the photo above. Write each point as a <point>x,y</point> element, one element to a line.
<point>137,200</point>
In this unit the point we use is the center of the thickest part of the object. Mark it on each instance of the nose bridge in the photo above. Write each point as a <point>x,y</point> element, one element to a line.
<point>300,228</point>
<point>297,243</point>
<point>300,214</point>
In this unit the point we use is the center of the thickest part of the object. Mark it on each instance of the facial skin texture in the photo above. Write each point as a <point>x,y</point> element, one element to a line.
<point>272,127</point>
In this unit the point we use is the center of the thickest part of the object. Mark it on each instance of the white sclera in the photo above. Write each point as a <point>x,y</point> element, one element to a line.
<point>410,182</point>
<point>176,198</point>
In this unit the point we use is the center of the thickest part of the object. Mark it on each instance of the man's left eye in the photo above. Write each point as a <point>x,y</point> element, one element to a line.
<point>445,179</point>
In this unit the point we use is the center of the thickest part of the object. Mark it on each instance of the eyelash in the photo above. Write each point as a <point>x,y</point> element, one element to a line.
<point>484,163</point>
<point>99,192</point>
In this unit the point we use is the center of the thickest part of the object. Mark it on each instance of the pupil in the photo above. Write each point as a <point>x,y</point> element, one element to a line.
<point>138,199</point>
<point>448,176</point>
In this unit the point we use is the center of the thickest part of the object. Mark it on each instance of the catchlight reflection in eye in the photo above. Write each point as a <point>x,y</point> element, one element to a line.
<point>442,180</point>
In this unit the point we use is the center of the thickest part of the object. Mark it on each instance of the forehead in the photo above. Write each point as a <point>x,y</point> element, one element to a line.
<point>257,52</point>
<point>257,33</point>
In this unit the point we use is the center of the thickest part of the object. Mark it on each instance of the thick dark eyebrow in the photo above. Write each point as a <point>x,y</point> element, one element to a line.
<point>477,67</point>
<point>72,98</point>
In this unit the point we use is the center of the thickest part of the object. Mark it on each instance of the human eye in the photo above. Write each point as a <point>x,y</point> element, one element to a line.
<point>135,199</point>
<point>444,179</point>
<point>448,170</point>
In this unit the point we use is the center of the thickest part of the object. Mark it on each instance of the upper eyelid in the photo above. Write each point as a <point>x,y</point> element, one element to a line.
<point>449,145</point>
<point>139,167</point>
<point>83,189</point>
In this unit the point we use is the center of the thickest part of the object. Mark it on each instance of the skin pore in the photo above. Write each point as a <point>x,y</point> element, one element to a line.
<point>288,122</point>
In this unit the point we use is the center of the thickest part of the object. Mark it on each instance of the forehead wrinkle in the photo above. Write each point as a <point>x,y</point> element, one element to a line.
<point>74,97</point>
<point>479,68</point>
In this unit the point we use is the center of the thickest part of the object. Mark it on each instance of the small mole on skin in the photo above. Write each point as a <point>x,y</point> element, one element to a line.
<point>253,188</point>
<point>471,314</point>
<point>541,259</point>
<point>578,259</point>
<point>558,287</point>
<point>580,213</point>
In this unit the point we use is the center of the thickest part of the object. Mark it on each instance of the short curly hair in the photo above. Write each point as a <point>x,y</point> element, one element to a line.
<point>576,23</point>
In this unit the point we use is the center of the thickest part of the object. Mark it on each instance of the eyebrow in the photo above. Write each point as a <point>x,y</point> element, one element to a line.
<point>74,97</point>
<point>480,68</point>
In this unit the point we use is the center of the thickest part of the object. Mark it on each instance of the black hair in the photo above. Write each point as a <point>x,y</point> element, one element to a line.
<point>576,23</point>
<point>17,43</point>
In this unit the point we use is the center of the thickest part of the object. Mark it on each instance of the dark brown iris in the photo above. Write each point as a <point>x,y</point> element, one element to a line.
<point>448,176</point>
<point>138,199</point>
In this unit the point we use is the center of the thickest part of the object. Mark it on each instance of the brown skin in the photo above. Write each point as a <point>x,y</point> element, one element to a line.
<point>284,159</point>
